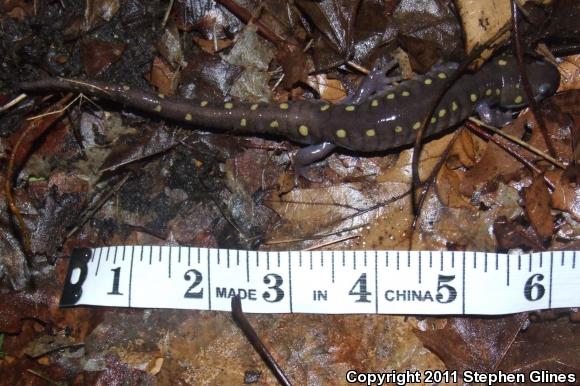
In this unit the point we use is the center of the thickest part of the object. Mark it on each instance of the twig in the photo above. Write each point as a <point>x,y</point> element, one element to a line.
<point>415,182</point>
<point>246,16</point>
<point>358,67</point>
<point>167,13</point>
<point>523,144</point>
<point>13,102</point>
<point>526,82</point>
<point>14,164</point>
<point>79,97</point>
<point>427,185</point>
<point>506,146</point>
<point>317,236</point>
<point>100,202</point>
<point>252,336</point>
<point>44,378</point>
<point>324,245</point>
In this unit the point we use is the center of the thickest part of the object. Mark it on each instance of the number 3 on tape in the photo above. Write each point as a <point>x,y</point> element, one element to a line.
<point>323,282</point>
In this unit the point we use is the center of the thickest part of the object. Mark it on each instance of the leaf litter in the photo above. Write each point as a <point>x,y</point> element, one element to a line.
<point>195,188</point>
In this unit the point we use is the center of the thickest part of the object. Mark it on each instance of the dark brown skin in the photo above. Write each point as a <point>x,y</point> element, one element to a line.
<point>384,121</point>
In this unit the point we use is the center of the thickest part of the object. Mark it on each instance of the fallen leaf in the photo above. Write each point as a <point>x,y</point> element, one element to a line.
<point>537,204</point>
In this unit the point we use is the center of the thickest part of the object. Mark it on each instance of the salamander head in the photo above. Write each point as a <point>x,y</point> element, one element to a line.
<point>543,76</point>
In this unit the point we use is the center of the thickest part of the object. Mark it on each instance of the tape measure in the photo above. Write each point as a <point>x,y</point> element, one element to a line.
<point>323,282</point>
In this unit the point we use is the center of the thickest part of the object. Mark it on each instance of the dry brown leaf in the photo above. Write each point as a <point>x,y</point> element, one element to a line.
<point>482,19</point>
<point>163,77</point>
<point>209,46</point>
<point>328,89</point>
<point>537,204</point>
<point>448,189</point>
<point>570,71</point>
<point>566,195</point>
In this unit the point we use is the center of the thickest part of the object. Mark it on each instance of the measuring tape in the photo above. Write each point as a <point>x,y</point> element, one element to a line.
<point>323,282</point>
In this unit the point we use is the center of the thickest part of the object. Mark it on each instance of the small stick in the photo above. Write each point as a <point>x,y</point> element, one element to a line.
<point>427,185</point>
<point>526,82</point>
<point>167,13</point>
<point>44,377</point>
<point>519,142</point>
<point>340,240</point>
<point>506,146</point>
<point>476,53</point>
<point>250,333</point>
<point>13,102</point>
<point>14,164</point>
<point>246,16</point>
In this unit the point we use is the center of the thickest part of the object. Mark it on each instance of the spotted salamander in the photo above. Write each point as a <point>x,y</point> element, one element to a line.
<point>386,120</point>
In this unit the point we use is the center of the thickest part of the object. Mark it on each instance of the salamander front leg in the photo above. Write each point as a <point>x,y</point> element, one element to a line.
<point>375,82</point>
<point>309,155</point>
<point>493,117</point>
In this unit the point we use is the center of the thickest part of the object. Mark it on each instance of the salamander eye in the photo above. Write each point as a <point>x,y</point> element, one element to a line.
<point>544,89</point>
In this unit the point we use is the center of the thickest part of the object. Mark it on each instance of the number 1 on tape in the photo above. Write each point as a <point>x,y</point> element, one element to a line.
<point>323,282</point>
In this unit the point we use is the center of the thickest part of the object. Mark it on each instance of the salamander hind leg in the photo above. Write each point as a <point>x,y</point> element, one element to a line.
<point>308,155</point>
<point>493,116</point>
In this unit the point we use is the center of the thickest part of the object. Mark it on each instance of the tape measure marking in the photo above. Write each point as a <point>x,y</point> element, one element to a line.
<point>314,282</point>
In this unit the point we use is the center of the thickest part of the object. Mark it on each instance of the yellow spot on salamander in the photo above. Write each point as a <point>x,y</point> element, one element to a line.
<point>488,92</point>
<point>161,96</point>
<point>274,124</point>
<point>519,99</point>
<point>126,88</point>
<point>229,106</point>
<point>428,81</point>
<point>417,125</point>
<point>405,93</point>
<point>284,106</point>
<point>203,103</point>
<point>473,97</point>
<point>391,96</point>
<point>157,108</point>
<point>502,62</point>
<point>188,117</point>
<point>350,108</point>
<point>340,133</point>
<point>442,75</point>
<point>454,106</point>
<point>243,122</point>
<point>324,107</point>
<point>398,129</point>
<point>374,103</point>
<point>371,133</point>
<point>518,85</point>
<point>254,107</point>
<point>442,113</point>
<point>497,91</point>
<point>433,120</point>
<point>303,130</point>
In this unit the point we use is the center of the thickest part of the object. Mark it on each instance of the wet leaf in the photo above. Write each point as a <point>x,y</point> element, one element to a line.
<point>98,55</point>
<point>67,195</point>
<point>98,11</point>
<point>152,143</point>
<point>546,347</point>
<point>537,204</point>
<point>513,235</point>
<point>207,77</point>
<point>474,344</point>
<point>566,195</point>
<point>163,77</point>
<point>169,45</point>
<point>482,19</point>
